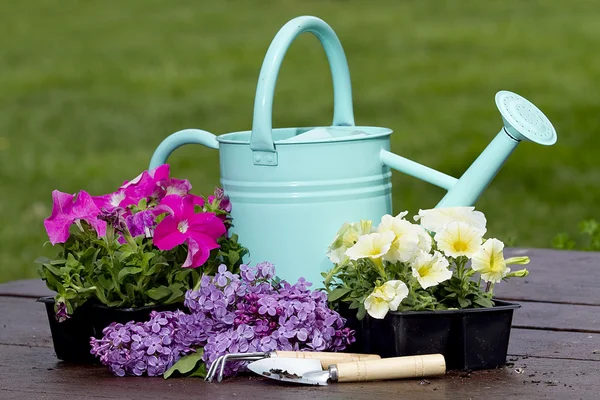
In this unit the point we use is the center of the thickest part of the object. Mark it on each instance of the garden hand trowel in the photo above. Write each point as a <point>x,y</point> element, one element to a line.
<point>310,372</point>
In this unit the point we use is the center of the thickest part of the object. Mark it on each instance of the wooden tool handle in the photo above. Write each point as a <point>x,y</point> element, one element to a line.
<point>328,359</point>
<point>392,368</point>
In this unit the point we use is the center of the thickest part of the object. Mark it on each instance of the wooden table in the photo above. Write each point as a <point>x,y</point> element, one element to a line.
<point>554,350</point>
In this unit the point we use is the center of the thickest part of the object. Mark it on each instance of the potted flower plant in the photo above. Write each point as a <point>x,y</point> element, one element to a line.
<point>127,253</point>
<point>424,288</point>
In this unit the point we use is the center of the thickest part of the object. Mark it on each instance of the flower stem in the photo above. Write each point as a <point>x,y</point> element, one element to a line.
<point>379,266</point>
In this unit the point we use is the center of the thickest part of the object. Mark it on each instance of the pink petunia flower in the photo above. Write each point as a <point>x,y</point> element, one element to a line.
<point>66,211</point>
<point>183,225</point>
<point>131,192</point>
<point>173,186</point>
<point>223,200</point>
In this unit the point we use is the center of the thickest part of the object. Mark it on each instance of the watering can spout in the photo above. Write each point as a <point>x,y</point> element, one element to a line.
<point>522,122</point>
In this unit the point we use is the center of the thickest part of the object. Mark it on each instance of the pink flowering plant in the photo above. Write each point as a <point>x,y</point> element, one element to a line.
<point>145,244</point>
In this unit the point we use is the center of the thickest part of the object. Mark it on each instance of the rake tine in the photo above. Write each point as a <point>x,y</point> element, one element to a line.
<point>210,375</point>
<point>222,369</point>
<point>221,361</point>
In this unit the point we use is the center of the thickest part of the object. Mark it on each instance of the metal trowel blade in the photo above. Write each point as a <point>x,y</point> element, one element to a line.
<point>304,371</point>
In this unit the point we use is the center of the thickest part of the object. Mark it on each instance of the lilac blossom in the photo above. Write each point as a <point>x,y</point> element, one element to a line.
<point>228,313</point>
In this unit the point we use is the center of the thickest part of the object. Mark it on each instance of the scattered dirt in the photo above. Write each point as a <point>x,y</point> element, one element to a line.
<point>284,374</point>
<point>425,382</point>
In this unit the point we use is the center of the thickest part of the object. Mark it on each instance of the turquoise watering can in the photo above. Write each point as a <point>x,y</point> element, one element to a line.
<point>291,189</point>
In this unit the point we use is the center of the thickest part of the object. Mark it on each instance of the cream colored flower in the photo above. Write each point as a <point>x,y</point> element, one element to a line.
<point>431,269</point>
<point>346,237</point>
<point>373,245</point>
<point>396,291</point>
<point>385,298</point>
<point>437,219</point>
<point>406,237</point>
<point>424,239</point>
<point>489,261</point>
<point>459,239</point>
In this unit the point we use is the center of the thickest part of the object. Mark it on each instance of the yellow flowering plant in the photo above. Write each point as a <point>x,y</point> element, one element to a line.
<point>440,262</point>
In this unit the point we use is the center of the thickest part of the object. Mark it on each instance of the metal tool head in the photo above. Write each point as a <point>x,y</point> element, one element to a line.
<point>294,370</point>
<point>523,120</point>
<point>217,368</point>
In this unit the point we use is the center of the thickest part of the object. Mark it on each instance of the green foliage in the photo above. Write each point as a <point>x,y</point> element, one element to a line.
<point>133,274</point>
<point>190,365</point>
<point>588,240</point>
<point>353,281</point>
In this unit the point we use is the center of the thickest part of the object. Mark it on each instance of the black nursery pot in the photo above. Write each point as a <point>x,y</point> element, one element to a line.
<point>469,339</point>
<point>71,338</point>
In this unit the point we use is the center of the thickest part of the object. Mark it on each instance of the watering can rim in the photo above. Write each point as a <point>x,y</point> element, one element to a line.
<point>380,132</point>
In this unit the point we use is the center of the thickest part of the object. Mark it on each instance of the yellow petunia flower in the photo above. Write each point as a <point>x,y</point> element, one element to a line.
<point>489,261</point>
<point>459,239</point>
<point>431,269</point>
<point>385,298</point>
<point>373,246</point>
<point>406,238</point>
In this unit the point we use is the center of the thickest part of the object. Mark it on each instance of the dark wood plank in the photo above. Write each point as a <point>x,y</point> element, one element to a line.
<point>33,372</point>
<point>33,288</point>
<point>555,276</point>
<point>552,344</point>
<point>24,322</point>
<point>549,316</point>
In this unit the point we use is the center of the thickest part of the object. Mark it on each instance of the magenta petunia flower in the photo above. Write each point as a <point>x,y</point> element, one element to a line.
<point>111,201</point>
<point>66,211</point>
<point>131,192</point>
<point>183,225</point>
<point>223,200</point>
<point>173,186</point>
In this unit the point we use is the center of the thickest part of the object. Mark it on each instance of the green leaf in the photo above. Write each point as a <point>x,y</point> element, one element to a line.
<point>72,263</point>
<point>176,293</point>
<point>51,268</point>
<point>186,364</point>
<point>484,302</point>
<point>104,283</point>
<point>142,204</point>
<point>361,312</point>
<point>146,259</point>
<point>131,289</point>
<point>101,296</point>
<point>127,271</point>
<point>159,293</point>
<point>464,303</point>
<point>234,257</point>
<point>200,371</point>
<point>337,294</point>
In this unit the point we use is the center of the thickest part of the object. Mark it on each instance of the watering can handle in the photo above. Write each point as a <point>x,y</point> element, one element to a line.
<point>261,142</point>
<point>178,139</point>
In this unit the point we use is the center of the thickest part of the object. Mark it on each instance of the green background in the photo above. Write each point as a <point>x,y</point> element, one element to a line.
<point>88,89</point>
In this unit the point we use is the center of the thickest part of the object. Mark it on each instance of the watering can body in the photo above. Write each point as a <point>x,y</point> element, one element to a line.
<point>291,189</point>
<point>289,214</point>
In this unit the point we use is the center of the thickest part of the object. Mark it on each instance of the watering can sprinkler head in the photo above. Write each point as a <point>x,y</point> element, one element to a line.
<point>522,122</point>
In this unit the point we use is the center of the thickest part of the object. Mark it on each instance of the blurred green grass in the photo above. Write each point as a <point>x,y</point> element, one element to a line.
<point>89,89</point>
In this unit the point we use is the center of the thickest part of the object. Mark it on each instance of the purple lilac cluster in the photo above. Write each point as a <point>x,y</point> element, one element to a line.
<point>148,347</point>
<point>230,313</point>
